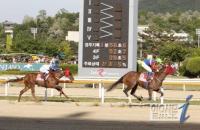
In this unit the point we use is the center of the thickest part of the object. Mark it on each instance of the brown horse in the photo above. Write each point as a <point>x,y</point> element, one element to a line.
<point>131,80</point>
<point>51,81</point>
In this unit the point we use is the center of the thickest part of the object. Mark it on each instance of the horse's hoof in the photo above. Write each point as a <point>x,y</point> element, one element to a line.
<point>140,98</point>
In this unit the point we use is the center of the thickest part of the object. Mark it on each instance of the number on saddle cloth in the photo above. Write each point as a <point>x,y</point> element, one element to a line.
<point>146,77</point>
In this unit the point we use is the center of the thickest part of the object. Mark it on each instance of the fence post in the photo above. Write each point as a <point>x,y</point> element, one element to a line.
<point>154,96</point>
<point>184,87</point>
<point>93,85</point>
<point>102,94</point>
<point>52,92</point>
<point>100,85</point>
<point>6,89</point>
<point>123,86</point>
<point>45,97</point>
<point>64,85</point>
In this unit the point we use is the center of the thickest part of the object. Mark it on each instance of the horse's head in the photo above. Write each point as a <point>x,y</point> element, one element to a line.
<point>169,70</point>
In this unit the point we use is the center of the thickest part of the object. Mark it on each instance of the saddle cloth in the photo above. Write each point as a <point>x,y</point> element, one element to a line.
<point>143,76</point>
<point>39,77</point>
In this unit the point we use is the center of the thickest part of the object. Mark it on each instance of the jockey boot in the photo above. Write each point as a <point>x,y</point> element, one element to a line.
<point>149,76</point>
<point>43,75</point>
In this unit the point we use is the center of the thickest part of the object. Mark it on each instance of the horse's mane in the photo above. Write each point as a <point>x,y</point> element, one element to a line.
<point>53,75</point>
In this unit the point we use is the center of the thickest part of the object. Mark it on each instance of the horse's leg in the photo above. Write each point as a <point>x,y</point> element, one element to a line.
<point>33,93</point>
<point>61,91</point>
<point>150,93</point>
<point>126,93</point>
<point>133,93</point>
<point>161,94</point>
<point>22,91</point>
<point>126,90</point>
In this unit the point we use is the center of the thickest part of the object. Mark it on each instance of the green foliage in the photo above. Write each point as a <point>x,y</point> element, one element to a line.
<point>140,68</point>
<point>173,51</point>
<point>163,6</point>
<point>66,49</point>
<point>194,52</point>
<point>193,65</point>
<point>50,37</point>
<point>190,67</point>
<point>73,68</point>
<point>182,68</point>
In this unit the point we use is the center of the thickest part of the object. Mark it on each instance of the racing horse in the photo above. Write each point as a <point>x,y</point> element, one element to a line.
<point>132,80</point>
<point>51,81</point>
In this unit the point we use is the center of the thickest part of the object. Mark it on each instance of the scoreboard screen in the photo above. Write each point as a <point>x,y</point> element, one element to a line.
<point>106,40</point>
<point>105,35</point>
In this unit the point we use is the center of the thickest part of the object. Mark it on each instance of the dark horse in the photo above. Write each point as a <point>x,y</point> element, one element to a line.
<point>52,81</point>
<point>131,80</point>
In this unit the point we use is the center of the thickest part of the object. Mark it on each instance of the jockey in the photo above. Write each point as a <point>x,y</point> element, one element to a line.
<point>54,63</point>
<point>44,70</point>
<point>149,64</point>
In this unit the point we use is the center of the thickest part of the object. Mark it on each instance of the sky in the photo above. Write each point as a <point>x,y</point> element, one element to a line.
<point>15,10</point>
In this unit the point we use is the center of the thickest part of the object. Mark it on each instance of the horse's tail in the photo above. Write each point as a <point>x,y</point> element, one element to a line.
<point>115,84</point>
<point>15,80</point>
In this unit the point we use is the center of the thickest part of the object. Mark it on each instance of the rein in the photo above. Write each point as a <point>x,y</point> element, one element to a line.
<point>158,80</point>
<point>56,77</point>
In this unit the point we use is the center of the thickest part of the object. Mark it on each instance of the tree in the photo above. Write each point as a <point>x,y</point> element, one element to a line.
<point>24,42</point>
<point>42,15</point>
<point>193,66</point>
<point>50,37</point>
<point>174,51</point>
<point>27,20</point>
<point>65,48</point>
<point>2,39</point>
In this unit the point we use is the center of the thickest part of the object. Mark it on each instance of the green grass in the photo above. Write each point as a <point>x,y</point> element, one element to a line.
<point>92,100</point>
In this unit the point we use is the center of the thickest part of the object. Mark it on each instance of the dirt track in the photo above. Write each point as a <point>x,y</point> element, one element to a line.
<point>84,116</point>
<point>88,116</point>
